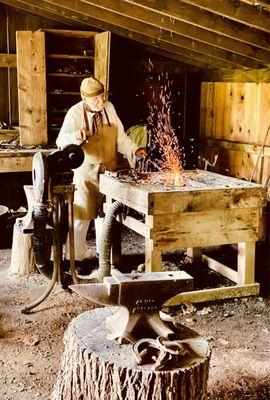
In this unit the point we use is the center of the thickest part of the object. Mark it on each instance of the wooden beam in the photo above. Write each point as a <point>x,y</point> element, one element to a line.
<point>177,44</point>
<point>250,75</point>
<point>105,20</point>
<point>34,9</point>
<point>220,268</point>
<point>201,296</point>
<point>238,11</point>
<point>165,25</point>
<point>32,99</point>
<point>178,10</point>
<point>155,33</point>
<point>18,160</point>
<point>69,33</point>
<point>241,147</point>
<point>182,28</point>
<point>8,60</point>
<point>132,17</point>
<point>259,3</point>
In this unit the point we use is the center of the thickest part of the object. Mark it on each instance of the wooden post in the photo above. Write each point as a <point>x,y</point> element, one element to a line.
<point>22,255</point>
<point>194,253</point>
<point>32,97</point>
<point>246,263</point>
<point>153,258</point>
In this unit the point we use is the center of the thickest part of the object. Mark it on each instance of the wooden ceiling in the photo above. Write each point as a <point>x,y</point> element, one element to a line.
<point>208,34</point>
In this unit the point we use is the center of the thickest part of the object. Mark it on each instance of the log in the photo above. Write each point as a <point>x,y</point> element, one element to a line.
<point>22,255</point>
<point>96,368</point>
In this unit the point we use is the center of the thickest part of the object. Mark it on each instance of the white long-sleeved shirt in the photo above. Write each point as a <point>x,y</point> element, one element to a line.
<point>74,121</point>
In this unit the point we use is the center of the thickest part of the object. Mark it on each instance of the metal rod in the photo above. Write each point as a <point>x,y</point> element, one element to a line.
<point>71,238</point>
<point>57,237</point>
<point>259,156</point>
<point>8,75</point>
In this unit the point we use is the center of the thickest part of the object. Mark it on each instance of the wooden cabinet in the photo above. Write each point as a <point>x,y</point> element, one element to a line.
<point>51,64</point>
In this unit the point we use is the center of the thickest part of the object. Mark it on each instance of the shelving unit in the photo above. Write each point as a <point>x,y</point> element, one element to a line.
<point>51,65</point>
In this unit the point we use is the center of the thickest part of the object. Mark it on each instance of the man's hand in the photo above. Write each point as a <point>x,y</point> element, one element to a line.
<point>81,134</point>
<point>141,152</point>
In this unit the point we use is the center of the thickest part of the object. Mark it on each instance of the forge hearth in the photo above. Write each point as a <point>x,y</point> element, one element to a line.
<point>207,209</point>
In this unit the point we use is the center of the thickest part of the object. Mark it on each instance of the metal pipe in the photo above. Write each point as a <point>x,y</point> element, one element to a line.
<point>8,74</point>
<point>106,243</point>
<point>71,238</point>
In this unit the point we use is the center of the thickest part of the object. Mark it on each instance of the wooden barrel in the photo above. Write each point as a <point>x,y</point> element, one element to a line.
<point>95,368</point>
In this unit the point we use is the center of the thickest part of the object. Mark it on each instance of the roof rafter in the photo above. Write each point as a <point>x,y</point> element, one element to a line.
<point>238,11</point>
<point>133,28</point>
<point>150,45</point>
<point>168,30</point>
<point>181,28</point>
<point>187,46</point>
<point>33,9</point>
<point>178,10</point>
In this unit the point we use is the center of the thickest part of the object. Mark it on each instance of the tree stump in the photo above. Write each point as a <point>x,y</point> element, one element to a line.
<point>22,254</point>
<point>95,368</point>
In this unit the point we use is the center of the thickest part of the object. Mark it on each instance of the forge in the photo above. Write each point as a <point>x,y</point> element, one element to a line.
<point>196,210</point>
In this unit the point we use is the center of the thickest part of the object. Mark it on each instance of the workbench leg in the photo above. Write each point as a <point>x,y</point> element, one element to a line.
<point>195,254</point>
<point>153,258</point>
<point>246,263</point>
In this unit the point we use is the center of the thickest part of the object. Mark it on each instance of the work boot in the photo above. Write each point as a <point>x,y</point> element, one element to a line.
<point>84,267</point>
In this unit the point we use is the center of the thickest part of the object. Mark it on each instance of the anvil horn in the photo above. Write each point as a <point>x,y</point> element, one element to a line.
<point>95,292</point>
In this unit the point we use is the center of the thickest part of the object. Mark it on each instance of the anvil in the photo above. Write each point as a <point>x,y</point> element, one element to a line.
<point>140,297</point>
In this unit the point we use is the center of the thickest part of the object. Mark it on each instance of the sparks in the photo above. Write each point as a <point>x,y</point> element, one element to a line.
<point>163,137</point>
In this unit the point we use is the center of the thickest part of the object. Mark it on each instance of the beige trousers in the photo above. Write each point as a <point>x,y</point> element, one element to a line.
<point>80,232</point>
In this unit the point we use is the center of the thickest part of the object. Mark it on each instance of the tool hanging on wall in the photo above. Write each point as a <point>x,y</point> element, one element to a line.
<point>259,156</point>
<point>52,215</point>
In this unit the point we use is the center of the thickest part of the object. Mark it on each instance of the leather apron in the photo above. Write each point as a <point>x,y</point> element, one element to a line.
<point>100,155</point>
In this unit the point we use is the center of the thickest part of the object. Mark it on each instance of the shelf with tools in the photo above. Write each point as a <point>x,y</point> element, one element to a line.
<point>60,59</point>
<point>71,56</point>
<point>77,61</point>
<point>67,75</point>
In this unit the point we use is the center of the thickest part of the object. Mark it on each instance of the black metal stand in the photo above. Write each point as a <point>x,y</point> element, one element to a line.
<point>61,194</point>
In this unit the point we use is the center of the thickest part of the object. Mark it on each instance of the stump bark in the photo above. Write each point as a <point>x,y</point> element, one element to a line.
<point>22,254</point>
<point>94,368</point>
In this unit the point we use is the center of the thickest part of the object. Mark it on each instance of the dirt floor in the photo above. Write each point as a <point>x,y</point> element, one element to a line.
<point>238,330</point>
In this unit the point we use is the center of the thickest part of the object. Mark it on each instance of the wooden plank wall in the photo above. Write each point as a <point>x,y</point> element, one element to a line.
<point>32,88</point>
<point>13,20</point>
<point>234,122</point>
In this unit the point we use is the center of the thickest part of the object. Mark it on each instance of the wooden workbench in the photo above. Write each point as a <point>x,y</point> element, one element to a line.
<point>210,209</point>
<point>19,160</point>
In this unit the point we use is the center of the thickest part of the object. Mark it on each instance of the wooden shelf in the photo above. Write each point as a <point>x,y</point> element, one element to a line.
<point>69,33</point>
<point>49,75</point>
<point>70,56</point>
<point>65,93</point>
<point>58,111</point>
<point>66,75</point>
